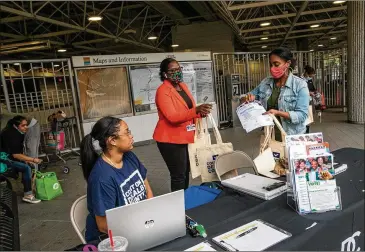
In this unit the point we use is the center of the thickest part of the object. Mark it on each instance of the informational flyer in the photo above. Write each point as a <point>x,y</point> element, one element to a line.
<point>323,195</point>
<point>315,183</point>
<point>251,116</point>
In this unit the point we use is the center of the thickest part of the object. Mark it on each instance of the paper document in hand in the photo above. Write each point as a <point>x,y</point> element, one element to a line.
<point>251,116</point>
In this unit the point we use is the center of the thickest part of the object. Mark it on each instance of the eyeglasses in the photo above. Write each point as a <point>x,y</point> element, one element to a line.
<point>129,132</point>
<point>174,70</point>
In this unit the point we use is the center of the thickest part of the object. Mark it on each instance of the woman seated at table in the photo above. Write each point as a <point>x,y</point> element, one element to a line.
<point>115,176</point>
<point>12,143</point>
<point>283,94</point>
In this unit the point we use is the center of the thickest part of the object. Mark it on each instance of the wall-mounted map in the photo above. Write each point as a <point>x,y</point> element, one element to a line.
<point>145,80</point>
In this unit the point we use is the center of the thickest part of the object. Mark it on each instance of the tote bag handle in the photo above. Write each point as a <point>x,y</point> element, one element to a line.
<point>217,135</point>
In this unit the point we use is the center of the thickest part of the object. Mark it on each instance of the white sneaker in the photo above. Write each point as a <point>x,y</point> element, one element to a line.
<point>31,199</point>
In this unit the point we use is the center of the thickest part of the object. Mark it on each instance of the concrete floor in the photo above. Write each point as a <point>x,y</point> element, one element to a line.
<point>47,226</point>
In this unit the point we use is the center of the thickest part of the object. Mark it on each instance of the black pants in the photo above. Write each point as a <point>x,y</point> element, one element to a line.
<point>177,160</point>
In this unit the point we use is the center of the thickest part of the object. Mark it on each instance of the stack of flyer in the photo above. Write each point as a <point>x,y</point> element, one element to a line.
<point>312,175</point>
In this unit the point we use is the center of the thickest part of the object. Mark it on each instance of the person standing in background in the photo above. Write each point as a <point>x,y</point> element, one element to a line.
<point>308,76</point>
<point>283,94</point>
<point>175,128</point>
<point>32,140</point>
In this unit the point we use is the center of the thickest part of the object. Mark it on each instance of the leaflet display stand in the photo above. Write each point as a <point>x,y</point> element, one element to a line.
<point>311,178</point>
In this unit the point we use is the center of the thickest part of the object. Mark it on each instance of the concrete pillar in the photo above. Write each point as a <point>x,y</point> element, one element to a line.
<point>356,61</point>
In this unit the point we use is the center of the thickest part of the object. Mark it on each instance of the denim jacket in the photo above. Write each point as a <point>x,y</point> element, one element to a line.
<point>293,98</point>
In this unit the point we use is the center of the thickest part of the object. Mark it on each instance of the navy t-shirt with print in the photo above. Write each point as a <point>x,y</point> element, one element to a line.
<point>109,187</point>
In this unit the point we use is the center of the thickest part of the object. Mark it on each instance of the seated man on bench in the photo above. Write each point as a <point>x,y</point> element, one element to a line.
<point>12,143</point>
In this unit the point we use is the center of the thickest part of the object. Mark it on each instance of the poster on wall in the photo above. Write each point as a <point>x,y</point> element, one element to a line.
<point>145,80</point>
<point>103,92</point>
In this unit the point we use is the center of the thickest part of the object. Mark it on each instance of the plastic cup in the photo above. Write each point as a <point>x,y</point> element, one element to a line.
<point>120,244</point>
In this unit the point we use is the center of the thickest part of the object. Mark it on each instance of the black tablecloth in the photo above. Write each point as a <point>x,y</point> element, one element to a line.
<point>339,230</point>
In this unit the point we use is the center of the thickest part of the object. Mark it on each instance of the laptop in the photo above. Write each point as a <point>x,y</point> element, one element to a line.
<point>150,222</point>
<point>265,164</point>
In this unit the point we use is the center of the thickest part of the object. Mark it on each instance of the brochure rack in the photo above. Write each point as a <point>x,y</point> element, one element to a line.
<point>311,182</point>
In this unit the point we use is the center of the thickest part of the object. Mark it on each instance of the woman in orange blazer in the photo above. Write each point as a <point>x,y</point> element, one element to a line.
<point>175,128</point>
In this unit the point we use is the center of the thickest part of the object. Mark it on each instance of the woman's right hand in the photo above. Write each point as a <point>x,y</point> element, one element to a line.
<point>247,98</point>
<point>203,109</point>
<point>37,160</point>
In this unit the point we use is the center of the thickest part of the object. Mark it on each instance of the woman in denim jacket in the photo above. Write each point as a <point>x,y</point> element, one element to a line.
<point>284,95</point>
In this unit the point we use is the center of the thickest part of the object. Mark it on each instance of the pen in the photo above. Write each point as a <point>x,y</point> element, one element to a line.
<point>234,249</point>
<point>246,232</point>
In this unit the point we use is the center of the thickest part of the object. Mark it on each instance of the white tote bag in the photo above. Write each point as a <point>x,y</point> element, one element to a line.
<point>201,139</point>
<point>310,118</point>
<point>268,140</point>
<point>208,153</point>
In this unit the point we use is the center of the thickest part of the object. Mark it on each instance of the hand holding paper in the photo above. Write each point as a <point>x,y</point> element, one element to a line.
<point>251,116</point>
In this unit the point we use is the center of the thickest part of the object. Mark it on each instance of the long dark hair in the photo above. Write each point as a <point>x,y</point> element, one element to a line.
<point>103,129</point>
<point>285,54</point>
<point>309,70</point>
<point>16,120</point>
<point>164,67</point>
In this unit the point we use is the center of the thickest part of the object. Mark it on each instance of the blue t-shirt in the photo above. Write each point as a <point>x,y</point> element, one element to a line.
<point>108,187</point>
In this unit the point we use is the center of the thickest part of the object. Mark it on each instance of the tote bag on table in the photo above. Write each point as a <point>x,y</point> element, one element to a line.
<point>207,154</point>
<point>201,139</point>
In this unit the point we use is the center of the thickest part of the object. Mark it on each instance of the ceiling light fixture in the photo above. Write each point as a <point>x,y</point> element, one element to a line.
<point>265,24</point>
<point>56,65</point>
<point>263,46</point>
<point>315,26</point>
<point>338,2</point>
<point>152,37</point>
<point>311,50</point>
<point>333,38</point>
<point>174,45</point>
<point>264,38</point>
<point>16,64</point>
<point>61,50</point>
<point>320,45</point>
<point>95,18</point>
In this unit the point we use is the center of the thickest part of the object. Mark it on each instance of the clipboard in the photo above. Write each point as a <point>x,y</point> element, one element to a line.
<point>257,235</point>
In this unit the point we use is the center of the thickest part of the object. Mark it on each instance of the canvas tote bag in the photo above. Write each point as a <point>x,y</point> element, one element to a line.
<point>208,154</point>
<point>310,118</point>
<point>201,139</point>
<point>268,140</point>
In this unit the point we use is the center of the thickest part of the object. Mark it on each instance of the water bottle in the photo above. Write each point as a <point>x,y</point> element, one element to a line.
<point>194,228</point>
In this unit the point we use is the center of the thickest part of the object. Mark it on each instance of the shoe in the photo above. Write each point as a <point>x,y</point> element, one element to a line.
<point>31,199</point>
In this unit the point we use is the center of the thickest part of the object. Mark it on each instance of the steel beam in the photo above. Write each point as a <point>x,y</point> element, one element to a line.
<point>299,13</point>
<point>260,19</point>
<point>255,5</point>
<point>75,27</point>
<point>329,32</point>
<point>168,10</point>
<point>297,24</point>
<point>203,10</point>
<point>11,19</point>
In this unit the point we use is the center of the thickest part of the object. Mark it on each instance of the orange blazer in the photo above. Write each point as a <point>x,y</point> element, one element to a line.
<point>174,115</point>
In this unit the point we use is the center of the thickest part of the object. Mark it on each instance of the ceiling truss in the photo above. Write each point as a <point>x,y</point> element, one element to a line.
<point>127,25</point>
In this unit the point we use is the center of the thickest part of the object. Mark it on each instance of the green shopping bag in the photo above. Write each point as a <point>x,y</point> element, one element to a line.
<point>3,166</point>
<point>47,186</point>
